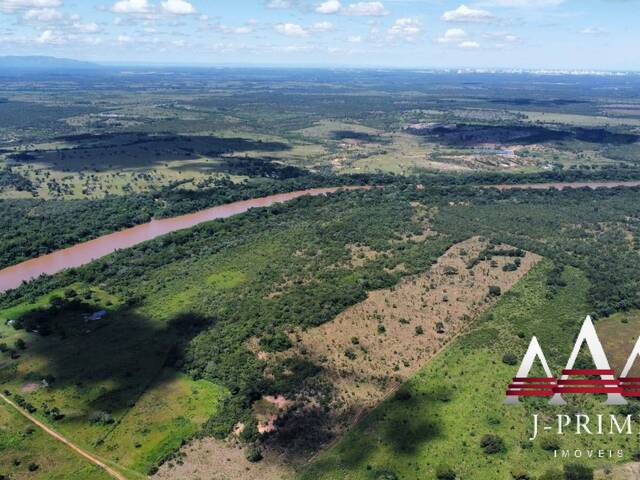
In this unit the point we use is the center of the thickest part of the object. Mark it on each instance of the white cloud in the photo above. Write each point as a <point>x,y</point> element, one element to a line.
<point>355,39</point>
<point>279,4</point>
<point>178,7</point>
<point>361,9</point>
<point>86,27</point>
<point>329,7</point>
<point>12,5</point>
<point>365,9</point>
<point>469,45</point>
<point>593,31</point>
<point>295,48</point>
<point>131,6</point>
<point>405,27</point>
<point>525,3</point>
<point>322,27</point>
<point>291,30</point>
<point>237,30</point>
<point>453,35</point>
<point>45,15</point>
<point>48,36</point>
<point>467,14</point>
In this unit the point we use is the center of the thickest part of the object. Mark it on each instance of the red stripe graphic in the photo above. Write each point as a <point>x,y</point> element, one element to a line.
<point>613,382</point>
<point>588,390</point>
<point>588,372</point>
<point>534,379</point>
<point>531,387</point>
<point>529,393</point>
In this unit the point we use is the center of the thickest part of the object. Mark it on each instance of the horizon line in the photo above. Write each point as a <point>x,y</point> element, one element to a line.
<point>463,69</point>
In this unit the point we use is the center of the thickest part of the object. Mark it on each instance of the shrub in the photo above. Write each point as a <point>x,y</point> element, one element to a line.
<point>443,394</point>
<point>444,472</point>
<point>550,443</point>
<point>350,354</point>
<point>492,444</point>
<point>278,342</point>
<point>576,471</point>
<point>419,330</point>
<point>101,418</point>
<point>253,453</point>
<point>387,475</point>
<point>381,328</point>
<point>509,359</point>
<point>403,395</point>
<point>450,270</point>
<point>520,474</point>
<point>495,291</point>
<point>552,475</point>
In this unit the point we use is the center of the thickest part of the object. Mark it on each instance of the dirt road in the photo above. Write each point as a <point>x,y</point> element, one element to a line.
<point>59,437</point>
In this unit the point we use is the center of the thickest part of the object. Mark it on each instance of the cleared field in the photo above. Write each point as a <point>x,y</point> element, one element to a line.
<point>579,120</point>
<point>374,346</point>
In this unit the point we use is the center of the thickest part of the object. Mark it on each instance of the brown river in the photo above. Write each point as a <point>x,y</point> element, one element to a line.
<point>82,253</point>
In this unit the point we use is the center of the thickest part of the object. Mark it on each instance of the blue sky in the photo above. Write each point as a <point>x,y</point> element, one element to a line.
<point>554,34</point>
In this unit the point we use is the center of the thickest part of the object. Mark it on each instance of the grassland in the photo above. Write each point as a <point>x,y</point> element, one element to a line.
<point>103,383</point>
<point>24,447</point>
<point>442,413</point>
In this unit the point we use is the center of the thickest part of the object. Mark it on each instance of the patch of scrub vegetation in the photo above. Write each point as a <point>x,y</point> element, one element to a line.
<point>225,279</point>
<point>92,367</point>
<point>28,452</point>
<point>167,414</point>
<point>453,407</point>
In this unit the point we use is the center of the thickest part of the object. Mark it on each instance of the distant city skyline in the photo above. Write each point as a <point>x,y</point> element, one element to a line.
<point>507,34</point>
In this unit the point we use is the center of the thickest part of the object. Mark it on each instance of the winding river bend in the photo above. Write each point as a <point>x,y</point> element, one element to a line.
<point>82,253</point>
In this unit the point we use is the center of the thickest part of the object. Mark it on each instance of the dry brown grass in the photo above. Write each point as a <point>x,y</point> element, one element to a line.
<point>383,360</point>
<point>211,459</point>
<point>629,471</point>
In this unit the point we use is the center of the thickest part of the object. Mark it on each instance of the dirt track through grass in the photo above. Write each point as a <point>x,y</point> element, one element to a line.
<point>57,436</point>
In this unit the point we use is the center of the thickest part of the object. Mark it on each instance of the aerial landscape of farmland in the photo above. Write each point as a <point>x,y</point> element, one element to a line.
<point>258,268</point>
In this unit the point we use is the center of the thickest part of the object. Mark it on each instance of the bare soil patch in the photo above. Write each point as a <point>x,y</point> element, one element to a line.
<point>629,471</point>
<point>30,387</point>
<point>211,459</point>
<point>374,346</point>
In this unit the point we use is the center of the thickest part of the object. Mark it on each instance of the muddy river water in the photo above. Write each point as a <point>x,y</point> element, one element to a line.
<point>82,253</point>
